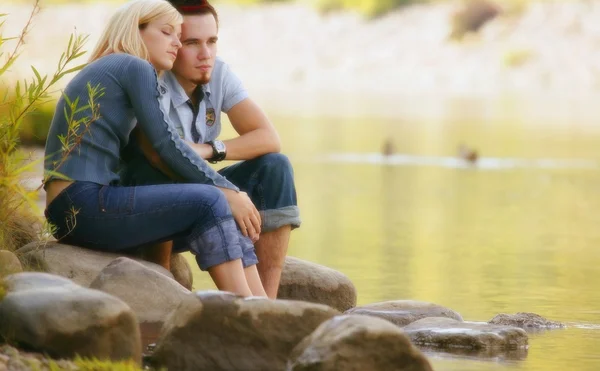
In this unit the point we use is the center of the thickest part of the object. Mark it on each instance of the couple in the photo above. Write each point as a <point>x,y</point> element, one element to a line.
<point>133,181</point>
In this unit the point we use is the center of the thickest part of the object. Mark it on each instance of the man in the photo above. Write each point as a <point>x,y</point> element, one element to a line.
<point>195,92</point>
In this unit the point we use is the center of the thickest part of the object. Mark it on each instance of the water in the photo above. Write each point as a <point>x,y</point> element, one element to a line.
<point>517,232</point>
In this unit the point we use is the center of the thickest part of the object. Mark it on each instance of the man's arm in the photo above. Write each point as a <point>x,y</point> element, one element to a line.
<point>257,136</point>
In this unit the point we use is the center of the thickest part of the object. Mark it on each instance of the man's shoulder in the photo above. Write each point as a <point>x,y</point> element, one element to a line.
<point>220,70</point>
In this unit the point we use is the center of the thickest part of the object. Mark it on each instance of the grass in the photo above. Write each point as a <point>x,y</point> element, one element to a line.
<point>2,289</point>
<point>21,107</point>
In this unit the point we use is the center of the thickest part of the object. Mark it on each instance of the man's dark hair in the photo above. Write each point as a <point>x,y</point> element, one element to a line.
<point>195,7</point>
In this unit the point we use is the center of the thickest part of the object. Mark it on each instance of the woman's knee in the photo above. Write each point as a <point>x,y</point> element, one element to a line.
<point>213,198</point>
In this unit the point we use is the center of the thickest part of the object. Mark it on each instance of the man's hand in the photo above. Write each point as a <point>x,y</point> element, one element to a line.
<point>244,212</point>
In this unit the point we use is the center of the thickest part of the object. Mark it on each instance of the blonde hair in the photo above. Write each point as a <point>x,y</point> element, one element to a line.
<point>122,33</point>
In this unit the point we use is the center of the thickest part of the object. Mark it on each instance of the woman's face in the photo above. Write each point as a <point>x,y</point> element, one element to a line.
<point>162,41</point>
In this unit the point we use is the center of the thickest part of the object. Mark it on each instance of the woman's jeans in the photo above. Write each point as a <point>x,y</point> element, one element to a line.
<point>196,217</point>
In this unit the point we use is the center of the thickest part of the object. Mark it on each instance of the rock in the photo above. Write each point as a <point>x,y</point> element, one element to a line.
<point>9,263</point>
<point>449,333</point>
<point>58,317</point>
<point>403,312</point>
<point>220,331</point>
<point>75,263</point>
<point>181,270</point>
<point>306,281</point>
<point>353,342</point>
<point>473,16</point>
<point>527,321</point>
<point>150,294</point>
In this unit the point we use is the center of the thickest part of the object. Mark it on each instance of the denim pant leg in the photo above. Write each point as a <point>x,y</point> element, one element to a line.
<point>114,219</point>
<point>269,182</point>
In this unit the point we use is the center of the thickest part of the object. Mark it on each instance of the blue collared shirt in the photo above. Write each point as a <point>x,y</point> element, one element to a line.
<point>224,91</point>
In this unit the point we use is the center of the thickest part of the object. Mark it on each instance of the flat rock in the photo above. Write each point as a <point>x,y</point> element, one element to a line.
<point>527,321</point>
<point>75,263</point>
<point>404,312</point>
<point>449,333</point>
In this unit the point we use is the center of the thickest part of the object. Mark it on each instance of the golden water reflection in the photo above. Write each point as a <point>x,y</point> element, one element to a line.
<point>480,241</point>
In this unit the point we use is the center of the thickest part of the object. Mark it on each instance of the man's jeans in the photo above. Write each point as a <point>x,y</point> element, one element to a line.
<point>196,217</point>
<point>268,180</point>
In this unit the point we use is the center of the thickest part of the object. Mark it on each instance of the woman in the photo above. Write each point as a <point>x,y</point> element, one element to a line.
<point>86,203</point>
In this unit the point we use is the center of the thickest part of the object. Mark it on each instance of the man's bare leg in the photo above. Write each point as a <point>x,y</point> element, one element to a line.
<point>271,250</point>
<point>159,253</point>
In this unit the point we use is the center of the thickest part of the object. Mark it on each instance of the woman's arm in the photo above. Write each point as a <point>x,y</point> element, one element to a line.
<point>141,85</point>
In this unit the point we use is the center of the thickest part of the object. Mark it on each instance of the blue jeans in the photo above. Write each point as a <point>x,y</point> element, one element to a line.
<point>196,217</point>
<point>268,180</point>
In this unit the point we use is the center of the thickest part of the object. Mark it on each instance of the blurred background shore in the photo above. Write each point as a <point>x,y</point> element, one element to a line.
<point>297,58</point>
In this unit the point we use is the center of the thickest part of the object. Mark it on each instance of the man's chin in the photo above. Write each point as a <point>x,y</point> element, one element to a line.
<point>202,80</point>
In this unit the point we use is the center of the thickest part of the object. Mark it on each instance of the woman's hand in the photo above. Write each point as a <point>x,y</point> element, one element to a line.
<point>244,212</point>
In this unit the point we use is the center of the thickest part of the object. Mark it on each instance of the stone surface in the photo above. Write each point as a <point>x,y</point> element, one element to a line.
<point>151,295</point>
<point>75,263</point>
<point>53,315</point>
<point>9,263</point>
<point>306,281</point>
<point>220,331</point>
<point>181,270</point>
<point>527,321</point>
<point>403,312</point>
<point>353,342</point>
<point>449,333</point>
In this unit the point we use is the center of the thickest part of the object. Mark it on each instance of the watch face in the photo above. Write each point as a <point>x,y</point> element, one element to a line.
<point>219,146</point>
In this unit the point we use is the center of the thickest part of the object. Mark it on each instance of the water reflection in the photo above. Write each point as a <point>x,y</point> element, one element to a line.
<point>492,354</point>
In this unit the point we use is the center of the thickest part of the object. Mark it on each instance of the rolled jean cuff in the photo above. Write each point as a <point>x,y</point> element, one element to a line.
<point>276,218</point>
<point>249,258</point>
<point>217,245</point>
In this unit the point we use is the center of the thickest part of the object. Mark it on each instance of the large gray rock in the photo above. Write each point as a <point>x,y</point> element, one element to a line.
<point>527,321</point>
<point>403,312</point>
<point>181,270</point>
<point>306,281</point>
<point>75,263</point>
<point>221,331</point>
<point>151,295</point>
<point>9,263</point>
<point>56,316</point>
<point>352,342</point>
<point>449,333</point>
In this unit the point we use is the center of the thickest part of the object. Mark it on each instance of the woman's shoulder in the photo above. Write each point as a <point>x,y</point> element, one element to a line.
<point>122,60</point>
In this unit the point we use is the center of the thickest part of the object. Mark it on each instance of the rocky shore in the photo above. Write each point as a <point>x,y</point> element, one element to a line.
<point>81,303</point>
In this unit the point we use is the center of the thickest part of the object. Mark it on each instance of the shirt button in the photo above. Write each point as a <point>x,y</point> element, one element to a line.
<point>163,90</point>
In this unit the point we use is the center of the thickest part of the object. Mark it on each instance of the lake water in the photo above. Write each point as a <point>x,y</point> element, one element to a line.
<point>519,231</point>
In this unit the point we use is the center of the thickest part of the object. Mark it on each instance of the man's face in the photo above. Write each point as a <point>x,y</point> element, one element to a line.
<point>196,58</point>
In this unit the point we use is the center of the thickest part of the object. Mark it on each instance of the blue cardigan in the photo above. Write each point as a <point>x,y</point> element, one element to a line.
<point>131,90</point>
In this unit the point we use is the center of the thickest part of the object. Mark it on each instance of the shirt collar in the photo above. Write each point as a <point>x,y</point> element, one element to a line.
<point>178,95</point>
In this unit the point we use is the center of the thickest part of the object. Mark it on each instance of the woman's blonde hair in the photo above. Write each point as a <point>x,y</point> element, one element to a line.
<point>122,33</point>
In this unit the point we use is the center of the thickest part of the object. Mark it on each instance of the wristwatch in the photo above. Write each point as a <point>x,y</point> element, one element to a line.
<point>219,151</point>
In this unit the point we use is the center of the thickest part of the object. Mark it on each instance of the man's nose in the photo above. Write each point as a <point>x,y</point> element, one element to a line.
<point>204,52</point>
